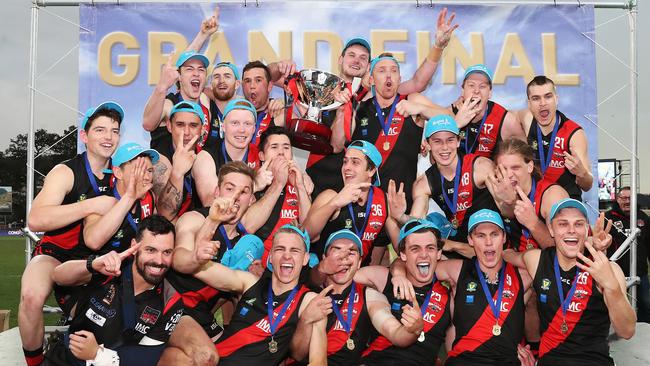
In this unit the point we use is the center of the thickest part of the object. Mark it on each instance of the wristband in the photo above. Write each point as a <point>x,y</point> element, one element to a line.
<point>89,264</point>
<point>435,54</point>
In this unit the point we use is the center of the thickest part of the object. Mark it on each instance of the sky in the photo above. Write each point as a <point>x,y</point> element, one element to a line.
<point>57,76</point>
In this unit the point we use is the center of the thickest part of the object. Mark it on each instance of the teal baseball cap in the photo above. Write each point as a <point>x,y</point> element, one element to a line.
<point>376,60</point>
<point>441,222</point>
<point>132,150</point>
<point>248,249</point>
<point>371,152</point>
<point>414,225</point>
<point>229,65</point>
<point>191,107</point>
<point>358,40</point>
<point>188,55</point>
<point>240,103</point>
<point>344,234</point>
<point>478,68</point>
<point>303,234</point>
<point>105,105</point>
<point>483,216</point>
<point>567,203</point>
<point>439,123</point>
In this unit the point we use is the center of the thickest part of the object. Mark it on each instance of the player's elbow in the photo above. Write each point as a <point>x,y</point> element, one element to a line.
<point>36,221</point>
<point>92,240</point>
<point>627,331</point>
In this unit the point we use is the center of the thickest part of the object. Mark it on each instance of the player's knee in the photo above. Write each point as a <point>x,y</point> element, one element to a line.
<point>205,356</point>
<point>32,298</point>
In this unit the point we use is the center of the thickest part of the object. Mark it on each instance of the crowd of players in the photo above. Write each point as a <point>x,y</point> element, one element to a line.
<point>143,245</point>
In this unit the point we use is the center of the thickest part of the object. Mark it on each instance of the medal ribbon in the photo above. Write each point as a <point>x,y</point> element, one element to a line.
<point>129,218</point>
<point>226,157</point>
<point>241,229</point>
<point>258,123</point>
<point>385,122</point>
<point>425,304</point>
<point>273,323</point>
<point>564,302</point>
<point>346,323</point>
<point>531,197</point>
<point>357,230</point>
<point>91,175</point>
<point>545,160</point>
<point>453,204</point>
<point>468,148</point>
<point>494,305</point>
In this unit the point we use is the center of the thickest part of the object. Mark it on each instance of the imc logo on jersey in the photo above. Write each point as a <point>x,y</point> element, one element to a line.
<point>557,164</point>
<point>430,317</point>
<point>575,307</point>
<point>288,213</point>
<point>150,315</point>
<point>369,236</point>
<point>463,206</point>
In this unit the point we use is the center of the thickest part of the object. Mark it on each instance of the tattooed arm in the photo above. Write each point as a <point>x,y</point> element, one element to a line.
<point>165,187</point>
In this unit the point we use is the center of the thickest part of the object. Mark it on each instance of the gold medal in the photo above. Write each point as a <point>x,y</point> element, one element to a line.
<point>496,330</point>
<point>454,223</point>
<point>529,245</point>
<point>564,327</point>
<point>386,146</point>
<point>421,337</point>
<point>350,344</point>
<point>273,346</point>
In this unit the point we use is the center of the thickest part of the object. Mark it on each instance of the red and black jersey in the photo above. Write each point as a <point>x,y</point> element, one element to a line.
<point>69,236</point>
<point>220,155</point>
<point>286,209</point>
<point>587,317</point>
<point>620,232</point>
<point>484,142</point>
<point>190,198</point>
<point>371,224</point>
<point>475,343</point>
<point>162,136</point>
<point>121,240</point>
<point>216,119</point>
<point>264,121</point>
<point>556,171</point>
<point>519,239</point>
<point>198,298</point>
<point>246,339</point>
<point>424,351</point>
<point>399,148</point>
<point>470,197</point>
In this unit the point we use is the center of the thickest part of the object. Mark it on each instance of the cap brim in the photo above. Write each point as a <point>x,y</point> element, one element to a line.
<point>199,56</point>
<point>345,235</point>
<point>569,204</point>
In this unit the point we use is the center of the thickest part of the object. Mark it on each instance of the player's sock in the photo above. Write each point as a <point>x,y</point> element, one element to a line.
<point>35,357</point>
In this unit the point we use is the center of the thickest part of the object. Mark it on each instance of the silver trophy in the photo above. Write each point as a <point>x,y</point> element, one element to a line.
<point>313,90</point>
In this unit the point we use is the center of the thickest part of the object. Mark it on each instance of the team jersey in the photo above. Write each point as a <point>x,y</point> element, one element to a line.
<point>556,171</point>
<point>220,155</point>
<point>286,210</point>
<point>264,121</point>
<point>519,237</point>
<point>399,148</point>
<point>246,339</point>
<point>367,221</point>
<point>84,186</point>
<point>190,199</point>
<point>161,134</point>
<point>424,351</point>
<point>475,342</point>
<point>470,197</point>
<point>483,142</point>
<point>587,318</point>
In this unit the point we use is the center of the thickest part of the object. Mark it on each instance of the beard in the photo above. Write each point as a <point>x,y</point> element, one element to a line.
<point>148,277</point>
<point>223,95</point>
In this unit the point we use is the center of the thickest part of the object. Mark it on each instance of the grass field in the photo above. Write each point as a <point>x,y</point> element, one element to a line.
<point>12,264</point>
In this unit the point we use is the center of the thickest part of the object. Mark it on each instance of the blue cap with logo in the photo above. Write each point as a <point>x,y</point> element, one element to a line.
<point>248,249</point>
<point>229,65</point>
<point>376,60</point>
<point>440,221</point>
<point>360,41</point>
<point>191,107</point>
<point>567,203</point>
<point>106,105</point>
<point>371,152</point>
<point>439,123</point>
<point>480,68</point>
<point>415,225</point>
<point>240,103</point>
<point>188,55</point>
<point>132,150</point>
<point>484,216</point>
<point>344,234</point>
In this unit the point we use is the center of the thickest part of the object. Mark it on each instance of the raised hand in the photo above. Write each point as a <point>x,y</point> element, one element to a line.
<point>276,107</point>
<point>403,288</point>
<point>184,156</point>
<point>500,186</point>
<point>350,193</point>
<point>140,170</point>
<point>343,96</point>
<point>601,238</point>
<point>169,74</point>
<point>110,263</point>
<point>224,209</point>
<point>574,164</point>
<point>280,170</point>
<point>334,263</point>
<point>407,108</point>
<point>396,200</point>
<point>211,25</point>
<point>286,68</point>
<point>412,318</point>
<point>525,356</point>
<point>524,209</point>
<point>101,204</point>
<point>467,111</point>
<point>599,268</point>
<point>444,28</point>
<point>319,307</point>
<point>205,250</point>
<point>263,176</point>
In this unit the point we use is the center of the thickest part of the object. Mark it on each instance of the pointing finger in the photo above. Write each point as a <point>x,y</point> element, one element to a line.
<point>127,253</point>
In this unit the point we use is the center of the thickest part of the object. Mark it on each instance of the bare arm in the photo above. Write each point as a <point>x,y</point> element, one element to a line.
<point>463,249</point>
<point>372,276</point>
<point>449,271</point>
<point>204,172</point>
<point>338,138</point>
<point>621,313</point>
<point>75,273</point>
<point>421,195</point>
<point>260,211</point>
<point>512,128</point>
<point>401,333</point>
<point>321,211</point>
<point>191,226</point>
<point>578,161</point>
<point>171,196</point>
<point>98,229</point>
<point>208,27</point>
